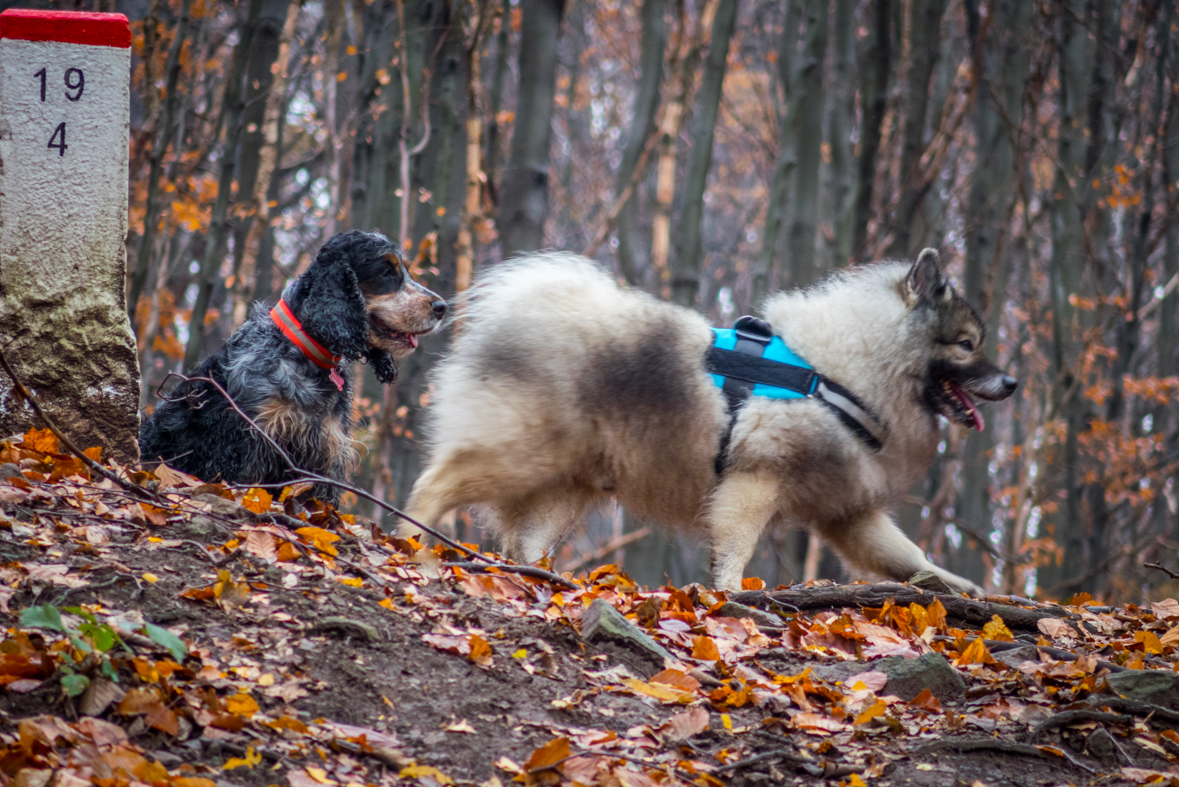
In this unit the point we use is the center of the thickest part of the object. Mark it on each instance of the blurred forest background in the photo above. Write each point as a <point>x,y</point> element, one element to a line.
<point>710,151</point>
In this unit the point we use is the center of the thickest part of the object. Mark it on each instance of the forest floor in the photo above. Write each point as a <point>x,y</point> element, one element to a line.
<point>221,637</point>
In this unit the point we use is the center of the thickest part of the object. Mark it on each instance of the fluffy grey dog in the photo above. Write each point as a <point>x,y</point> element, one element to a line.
<point>564,390</point>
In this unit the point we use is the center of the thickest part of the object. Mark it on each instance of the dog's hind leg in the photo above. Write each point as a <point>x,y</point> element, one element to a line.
<point>873,543</point>
<point>739,509</point>
<point>532,525</point>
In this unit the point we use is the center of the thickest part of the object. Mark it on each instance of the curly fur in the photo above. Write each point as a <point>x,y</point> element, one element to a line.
<point>295,401</point>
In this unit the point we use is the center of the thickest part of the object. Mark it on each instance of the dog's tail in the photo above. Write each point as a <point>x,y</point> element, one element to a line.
<point>539,284</point>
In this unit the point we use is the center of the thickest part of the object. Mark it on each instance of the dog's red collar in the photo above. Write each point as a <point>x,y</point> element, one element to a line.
<point>286,321</point>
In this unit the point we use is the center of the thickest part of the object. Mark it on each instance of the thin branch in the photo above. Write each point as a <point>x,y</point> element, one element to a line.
<point>1161,567</point>
<point>600,553</point>
<point>321,479</point>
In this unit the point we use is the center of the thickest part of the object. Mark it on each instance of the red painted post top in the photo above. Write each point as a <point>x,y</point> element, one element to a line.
<point>69,27</point>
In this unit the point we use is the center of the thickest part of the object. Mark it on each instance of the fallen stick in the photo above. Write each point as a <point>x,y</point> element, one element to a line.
<point>601,552</point>
<point>1065,718</point>
<point>997,744</point>
<point>836,596</point>
<point>307,475</point>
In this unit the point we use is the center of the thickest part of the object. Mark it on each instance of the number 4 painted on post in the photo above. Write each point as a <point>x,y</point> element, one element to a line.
<point>58,139</point>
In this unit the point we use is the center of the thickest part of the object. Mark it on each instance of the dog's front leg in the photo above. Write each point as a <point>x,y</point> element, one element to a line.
<point>873,543</point>
<point>738,511</point>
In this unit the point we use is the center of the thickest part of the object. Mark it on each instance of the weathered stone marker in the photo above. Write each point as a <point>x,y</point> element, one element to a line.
<point>64,119</point>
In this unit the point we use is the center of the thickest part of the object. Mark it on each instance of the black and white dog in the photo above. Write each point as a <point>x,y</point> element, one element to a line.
<point>288,370</point>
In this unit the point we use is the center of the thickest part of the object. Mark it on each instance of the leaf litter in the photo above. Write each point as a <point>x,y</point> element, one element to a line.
<point>224,636</point>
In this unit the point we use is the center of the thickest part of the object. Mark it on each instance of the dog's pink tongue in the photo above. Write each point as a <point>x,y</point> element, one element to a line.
<point>413,341</point>
<point>968,403</point>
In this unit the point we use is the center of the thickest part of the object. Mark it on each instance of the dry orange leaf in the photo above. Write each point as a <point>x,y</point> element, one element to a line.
<point>705,648</point>
<point>752,583</point>
<point>320,538</point>
<point>661,691</point>
<point>43,441</point>
<point>871,713</point>
<point>546,756</point>
<point>1150,642</point>
<point>257,500</point>
<point>480,651</point>
<point>242,705</point>
<point>996,629</point>
<point>287,552</point>
<point>976,653</point>
<point>1171,637</point>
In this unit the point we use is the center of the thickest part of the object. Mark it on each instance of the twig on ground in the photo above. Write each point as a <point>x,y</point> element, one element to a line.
<point>307,475</point>
<point>526,571</point>
<point>1133,707</point>
<point>996,744</point>
<point>1161,567</point>
<point>1065,718</point>
<point>27,395</point>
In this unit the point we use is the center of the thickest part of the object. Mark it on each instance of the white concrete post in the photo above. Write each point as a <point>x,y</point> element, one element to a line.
<point>64,119</point>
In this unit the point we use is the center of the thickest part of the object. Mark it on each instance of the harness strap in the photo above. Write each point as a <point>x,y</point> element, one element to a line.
<point>743,367</point>
<point>286,321</point>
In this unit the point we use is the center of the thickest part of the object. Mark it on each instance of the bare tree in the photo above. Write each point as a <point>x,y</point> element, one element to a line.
<point>524,200</point>
<point>874,77</point>
<point>632,248</point>
<point>685,282</point>
<point>809,106</point>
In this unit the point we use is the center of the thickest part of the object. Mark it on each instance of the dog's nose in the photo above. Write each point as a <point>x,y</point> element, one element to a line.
<point>1009,385</point>
<point>439,308</point>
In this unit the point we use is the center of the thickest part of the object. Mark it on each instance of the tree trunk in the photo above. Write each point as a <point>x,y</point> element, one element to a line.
<point>874,73</point>
<point>685,283</point>
<point>1000,66</point>
<point>840,111</point>
<point>925,21</point>
<point>632,247</point>
<point>219,225</point>
<point>524,200</point>
<point>809,106</point>
<point>151,218</point>
<point>265,85</point>
<point>777,210</point>
<point>502,46</point>
<point>684,70</point>
<point>1065,268</point>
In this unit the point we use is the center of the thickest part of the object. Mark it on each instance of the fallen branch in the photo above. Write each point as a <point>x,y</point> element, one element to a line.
<point>524,571</point>
<point>1069,717</point>
<point>601,552</point>
<point>996,744</point>
<point>836,596</point>
<point>307,475</point>
<point>1132,707</point>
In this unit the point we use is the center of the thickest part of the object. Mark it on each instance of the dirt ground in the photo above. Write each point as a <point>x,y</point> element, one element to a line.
<point>296,647</point>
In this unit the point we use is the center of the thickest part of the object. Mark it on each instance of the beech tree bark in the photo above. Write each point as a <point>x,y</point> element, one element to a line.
<point>874,77</point>
<point>809,106</point>
<point>685,283</point>
<point>633,248</point>
<point>925,21</point>
<point>524,200</point>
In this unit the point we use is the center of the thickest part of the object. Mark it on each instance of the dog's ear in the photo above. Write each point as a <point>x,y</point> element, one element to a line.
<point>383,365</point>
<point>332,307</point>
<point>925,279</point>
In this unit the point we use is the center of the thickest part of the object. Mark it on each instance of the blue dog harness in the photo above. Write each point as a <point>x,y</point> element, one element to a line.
<point>749,360</point>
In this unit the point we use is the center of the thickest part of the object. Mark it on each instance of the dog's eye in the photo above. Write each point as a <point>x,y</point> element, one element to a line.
<point>966,345</point>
